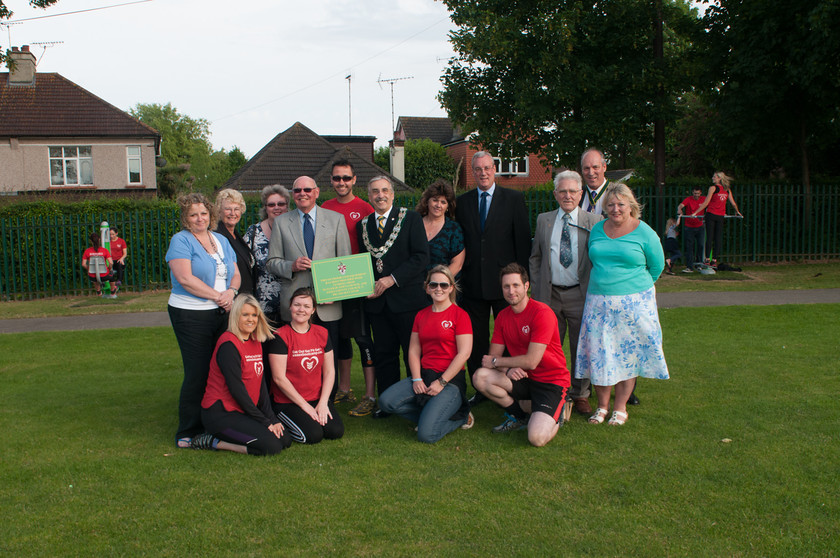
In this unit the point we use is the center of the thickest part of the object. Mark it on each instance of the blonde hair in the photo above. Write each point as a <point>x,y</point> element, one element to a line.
<point>229,195</point>
<point>443,270</point>
<point>723,179</point>
<point>262,332</point>
<point>622,190</point>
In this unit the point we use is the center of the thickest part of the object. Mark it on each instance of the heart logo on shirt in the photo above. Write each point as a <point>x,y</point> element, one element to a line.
<point>526,329</point>
<point>446,324</point>
<point>355,215</point>
<point>258,368</point>
<point>309,363</point>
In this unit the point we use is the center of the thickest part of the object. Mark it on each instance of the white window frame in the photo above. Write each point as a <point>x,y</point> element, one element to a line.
<point>129,157</point>
<point>514,166</point>
<point>70,157</point>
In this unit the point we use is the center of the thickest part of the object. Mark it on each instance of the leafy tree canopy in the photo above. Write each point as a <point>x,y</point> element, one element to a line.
<point>425,162</point>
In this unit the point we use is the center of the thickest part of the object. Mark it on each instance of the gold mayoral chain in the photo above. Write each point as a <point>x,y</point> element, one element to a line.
<point>380,252</point>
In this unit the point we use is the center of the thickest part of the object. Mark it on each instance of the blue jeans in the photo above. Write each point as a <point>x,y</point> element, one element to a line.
<point>432,419</point>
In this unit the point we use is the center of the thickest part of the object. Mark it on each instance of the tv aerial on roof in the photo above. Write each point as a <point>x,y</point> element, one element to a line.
<point>45,45</point>
<point>390,81</point>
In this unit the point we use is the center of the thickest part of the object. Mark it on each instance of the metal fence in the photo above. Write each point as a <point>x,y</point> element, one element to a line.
<point>41,256</point>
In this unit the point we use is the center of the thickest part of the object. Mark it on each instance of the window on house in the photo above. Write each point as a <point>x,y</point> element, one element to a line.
<point>132,153</point>
<point>71,165</point>
<point>513,166</point>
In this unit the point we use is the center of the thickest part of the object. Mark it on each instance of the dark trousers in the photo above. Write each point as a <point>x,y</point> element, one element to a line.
<point>693,238</point>
<point>714,235</point>
<point>197,332</point>
<point>332,332</point>
<point>239,428</point>
<point>303,429</point>
<point>479,311</point>
<point>391,332</point>
<point>119,270</point>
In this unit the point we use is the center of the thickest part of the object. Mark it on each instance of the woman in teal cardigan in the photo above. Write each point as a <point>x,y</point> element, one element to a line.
<point>620,337</point>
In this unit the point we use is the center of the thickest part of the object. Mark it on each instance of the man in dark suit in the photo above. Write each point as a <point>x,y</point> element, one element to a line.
<point>496,232</point>
<point>396,240</point>
<point>560,269</point>
<point>593,165</point>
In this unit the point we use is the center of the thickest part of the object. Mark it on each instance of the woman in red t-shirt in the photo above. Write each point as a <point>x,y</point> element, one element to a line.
<point>301,362</point>
<point>236,408</point>
<point>715,206</point>
<point>434,396</point>
<point>97,250</point>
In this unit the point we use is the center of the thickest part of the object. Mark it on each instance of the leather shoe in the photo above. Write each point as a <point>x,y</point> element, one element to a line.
<point>582,406</point>
<point>380,414</point>
<point>476,399</point>
<point>633,399</point>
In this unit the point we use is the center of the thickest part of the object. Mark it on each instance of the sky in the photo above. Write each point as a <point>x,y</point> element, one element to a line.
<point>252,68</point>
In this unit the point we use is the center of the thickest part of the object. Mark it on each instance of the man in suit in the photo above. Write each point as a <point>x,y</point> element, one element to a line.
<point>593,165</point>
<point>497,232</point>
<point>298,237</point>
<point>560,269</point>
<point>396,240</point>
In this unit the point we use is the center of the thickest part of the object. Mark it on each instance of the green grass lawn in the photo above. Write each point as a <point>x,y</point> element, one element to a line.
<point>89,467</point>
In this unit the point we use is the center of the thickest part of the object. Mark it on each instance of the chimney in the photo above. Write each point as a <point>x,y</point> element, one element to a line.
<point>22,66</point>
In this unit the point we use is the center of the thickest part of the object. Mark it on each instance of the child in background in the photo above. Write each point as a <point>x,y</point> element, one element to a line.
<point>671,245</point>
<point>96,249</point>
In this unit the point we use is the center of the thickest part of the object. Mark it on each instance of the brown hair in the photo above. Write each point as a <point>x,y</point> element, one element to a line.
<point>440,187</point>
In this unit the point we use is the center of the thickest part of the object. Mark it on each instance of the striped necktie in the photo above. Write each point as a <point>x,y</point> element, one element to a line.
<point>381,226</point>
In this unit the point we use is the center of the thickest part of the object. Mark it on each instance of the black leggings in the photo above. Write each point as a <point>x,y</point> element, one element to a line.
<point>303,429</point>
<point>714,235</point>
<point>239,428</point>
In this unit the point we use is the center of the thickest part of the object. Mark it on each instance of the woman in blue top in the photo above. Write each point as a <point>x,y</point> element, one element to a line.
<point>205,279</point>
<point>620,337</point>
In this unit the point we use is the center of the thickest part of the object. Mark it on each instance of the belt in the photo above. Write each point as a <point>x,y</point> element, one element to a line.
<point>564,287</point>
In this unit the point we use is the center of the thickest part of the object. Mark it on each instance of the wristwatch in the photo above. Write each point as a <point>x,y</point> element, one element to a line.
<point>494,362</point>
<point>235,291</point>
<point>442,382</point>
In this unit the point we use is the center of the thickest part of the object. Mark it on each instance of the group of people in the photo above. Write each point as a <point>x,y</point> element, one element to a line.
<point>105,265</point>
<point>264,369</point>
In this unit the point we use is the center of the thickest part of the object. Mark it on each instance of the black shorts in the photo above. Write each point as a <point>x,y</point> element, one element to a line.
<point>102,278</point>
<point>545,398</point>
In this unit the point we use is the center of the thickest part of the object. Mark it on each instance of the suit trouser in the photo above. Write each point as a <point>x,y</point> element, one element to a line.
<point>479,312</point>
<point>391,332</point>
<point>332,332</point>
<point>567,305</point>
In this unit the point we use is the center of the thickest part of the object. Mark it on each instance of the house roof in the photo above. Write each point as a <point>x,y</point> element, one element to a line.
<point>437,129</point>
<point>298,151</point>
<point>56,107</point>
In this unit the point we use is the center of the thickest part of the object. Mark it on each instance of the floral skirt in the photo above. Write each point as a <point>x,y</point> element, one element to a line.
<point>620,338</point>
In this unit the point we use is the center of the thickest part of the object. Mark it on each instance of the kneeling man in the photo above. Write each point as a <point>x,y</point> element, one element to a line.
<point>535,373</point>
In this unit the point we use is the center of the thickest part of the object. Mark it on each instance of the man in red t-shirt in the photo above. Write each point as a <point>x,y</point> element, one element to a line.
<point>694,234</point>
<point>354,324</point>
<point>536,369</point>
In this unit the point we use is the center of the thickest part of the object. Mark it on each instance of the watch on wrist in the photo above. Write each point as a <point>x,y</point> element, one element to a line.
<point>235,291</point>
<point>494,362</point>
<point>442,382</point>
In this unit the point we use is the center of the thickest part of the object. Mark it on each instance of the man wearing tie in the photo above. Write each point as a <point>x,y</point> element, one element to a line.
<point>396,240</point>
<point>497,232</point>
<point>560,269</point>
<point>593,166</point>
<point>300,236</point>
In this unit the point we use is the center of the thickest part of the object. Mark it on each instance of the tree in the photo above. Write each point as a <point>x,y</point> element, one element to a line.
<point>425,162</point>
<point>6,13</point>
<point>777,76</point>
<point>554,77</point>
<point>191,161</point>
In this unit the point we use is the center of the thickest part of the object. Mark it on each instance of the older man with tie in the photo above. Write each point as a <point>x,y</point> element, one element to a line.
<point>560,268</point>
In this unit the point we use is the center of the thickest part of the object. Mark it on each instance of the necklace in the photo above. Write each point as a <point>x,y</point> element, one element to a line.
<point>379,253</point>
<point>221,270</point>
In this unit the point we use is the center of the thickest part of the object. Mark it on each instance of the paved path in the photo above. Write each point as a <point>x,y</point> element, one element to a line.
<point>664,300</point>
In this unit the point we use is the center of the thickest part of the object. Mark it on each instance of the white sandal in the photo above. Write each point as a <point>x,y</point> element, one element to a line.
<point>599,416</point>
<point>618,418</point>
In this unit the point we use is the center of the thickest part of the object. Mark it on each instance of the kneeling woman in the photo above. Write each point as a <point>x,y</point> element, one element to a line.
<point>301,359</point>
<point>441,342</point>
<point>236,409</point>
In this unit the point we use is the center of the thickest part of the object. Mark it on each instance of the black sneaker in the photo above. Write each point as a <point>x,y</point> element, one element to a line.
<point>510,424</point>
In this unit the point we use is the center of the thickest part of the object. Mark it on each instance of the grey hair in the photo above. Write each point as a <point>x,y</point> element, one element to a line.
<point>568,175</point>
<point>378,178</point>
<point>269,191</point>
<point>479,155</point>
<point>590,150</point>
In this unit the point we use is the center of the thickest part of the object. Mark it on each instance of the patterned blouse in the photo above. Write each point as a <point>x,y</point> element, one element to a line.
<point>268,286</point>
<point>447,244</point>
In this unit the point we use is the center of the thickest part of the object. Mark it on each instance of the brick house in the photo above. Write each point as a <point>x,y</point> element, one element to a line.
<point>519,173</point>
<point>57,136</point>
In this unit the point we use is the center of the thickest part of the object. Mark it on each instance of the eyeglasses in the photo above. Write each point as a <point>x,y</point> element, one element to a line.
<point>278,204</point>
<point>299,190</point>
<point>566,192</point>
<point>232,209</point>
<point>434,285</point>
<point>340,178</point>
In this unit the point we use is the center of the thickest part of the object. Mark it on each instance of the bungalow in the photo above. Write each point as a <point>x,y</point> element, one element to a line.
<point>57,136</point>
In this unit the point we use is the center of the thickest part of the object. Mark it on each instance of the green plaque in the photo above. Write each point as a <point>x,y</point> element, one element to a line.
<point>342,278</point>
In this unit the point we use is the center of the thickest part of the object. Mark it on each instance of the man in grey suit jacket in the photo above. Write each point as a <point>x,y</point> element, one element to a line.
<point>560,274</point>
<point>300,236</point>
